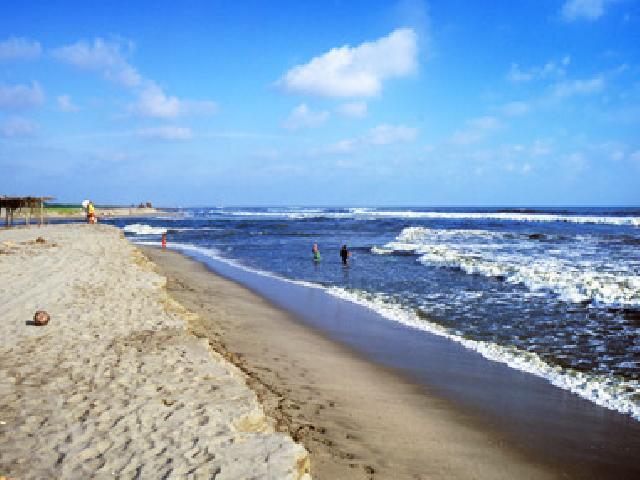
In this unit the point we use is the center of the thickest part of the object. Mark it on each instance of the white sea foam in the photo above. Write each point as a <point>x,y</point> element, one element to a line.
<point>368,213</point>
<point>558,268</point>
<point>612,392</point>
<point>142,229</point>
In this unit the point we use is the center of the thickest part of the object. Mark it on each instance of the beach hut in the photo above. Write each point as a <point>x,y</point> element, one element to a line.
<point>30,206</point>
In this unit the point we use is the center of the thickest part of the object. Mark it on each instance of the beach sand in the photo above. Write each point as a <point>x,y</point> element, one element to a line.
<point>357,419</point>
<point>115,385</point>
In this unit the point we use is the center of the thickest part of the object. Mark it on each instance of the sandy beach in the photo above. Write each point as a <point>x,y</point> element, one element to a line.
<point>154,366</point>
<point>358,420</point>
<point>115,385</point>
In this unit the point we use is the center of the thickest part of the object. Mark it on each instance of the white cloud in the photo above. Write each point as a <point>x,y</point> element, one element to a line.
<point>385,134</point>
<point>583,9</point>
<point>20,97</point>
<point>109,60</point>
<point>356,71</point>
<point>153,102</point>
<point>353,109</point>
<point>475,130</point>
<point>548,70</point>
<point>515,109</point>
<point>19,48</point>
<point>166,133</point>
<point>17,127</point>
<point>579,87</point>
<point>302,117</point>
<point>104,57</point>
<point>66,105</point>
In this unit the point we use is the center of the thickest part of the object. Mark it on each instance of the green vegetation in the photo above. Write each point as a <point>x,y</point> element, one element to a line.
<point>62,208</point>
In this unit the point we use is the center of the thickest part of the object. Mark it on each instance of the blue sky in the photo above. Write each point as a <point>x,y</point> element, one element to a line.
<point>301,103</point>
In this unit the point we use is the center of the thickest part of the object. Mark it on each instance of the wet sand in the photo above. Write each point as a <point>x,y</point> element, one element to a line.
<point>356,418</point>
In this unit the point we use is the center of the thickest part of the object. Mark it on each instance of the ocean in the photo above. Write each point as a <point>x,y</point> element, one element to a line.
<point>552,292</point>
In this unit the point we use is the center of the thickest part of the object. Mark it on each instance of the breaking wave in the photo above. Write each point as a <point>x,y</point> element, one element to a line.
<point>141,229</point>
<point>580,278</point>
<point>370,213</point>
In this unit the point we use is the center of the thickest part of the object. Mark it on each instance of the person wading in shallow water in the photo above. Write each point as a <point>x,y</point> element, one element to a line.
<point>345,254</point>
<point>316,252</point>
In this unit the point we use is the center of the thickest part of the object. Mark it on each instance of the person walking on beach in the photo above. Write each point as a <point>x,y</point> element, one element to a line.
<point>345,254</point>
<point>316,253</point>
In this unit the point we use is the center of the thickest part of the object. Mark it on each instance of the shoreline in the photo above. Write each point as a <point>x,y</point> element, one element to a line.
<point>549,426</point>
<point>367,421</point>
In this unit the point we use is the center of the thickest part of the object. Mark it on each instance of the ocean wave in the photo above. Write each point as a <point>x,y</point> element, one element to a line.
<point>575,278</point>
<point>142,229</point>
<point>612,392</point>
<point>369,213</point>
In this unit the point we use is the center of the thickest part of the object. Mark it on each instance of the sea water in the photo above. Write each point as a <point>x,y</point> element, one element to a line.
<point>553,292</point>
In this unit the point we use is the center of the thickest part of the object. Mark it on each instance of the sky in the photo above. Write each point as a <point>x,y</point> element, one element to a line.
<point>440,103</point>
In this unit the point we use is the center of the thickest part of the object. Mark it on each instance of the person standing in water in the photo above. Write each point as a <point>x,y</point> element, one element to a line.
<point>316,252</point>
<point>345,254</point>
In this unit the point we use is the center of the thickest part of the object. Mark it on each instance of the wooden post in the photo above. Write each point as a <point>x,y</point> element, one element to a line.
<point>41,212</point>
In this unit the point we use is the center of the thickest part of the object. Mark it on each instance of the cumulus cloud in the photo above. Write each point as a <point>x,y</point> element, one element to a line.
<point>15,48</point>
<point>353,109</point>
<point>572,88</point>
<point>583,9</point>
<point>107,58</point>
<point>550,69</point>
<point>66,105</point>
<point>17,127</point>
<point>166,133</point>
<point>476,130</point>
<point>153,102</point>
<point>20,97</point>
<point>302,117</point>
<point>356,71</point>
